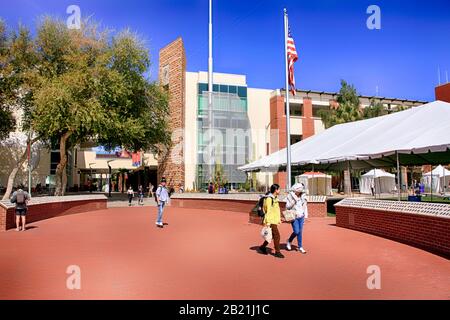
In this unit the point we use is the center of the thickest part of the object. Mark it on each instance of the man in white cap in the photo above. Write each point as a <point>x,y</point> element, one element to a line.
<point>296,200</point>
<point>162,197</point>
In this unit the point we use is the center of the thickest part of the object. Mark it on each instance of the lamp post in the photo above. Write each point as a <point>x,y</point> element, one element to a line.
<point>110,176</point>
<point>90,175</point>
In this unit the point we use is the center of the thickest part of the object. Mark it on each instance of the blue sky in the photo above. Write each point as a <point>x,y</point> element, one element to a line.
<point>331,36</point>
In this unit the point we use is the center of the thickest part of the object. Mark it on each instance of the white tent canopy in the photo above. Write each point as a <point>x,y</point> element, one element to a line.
<point>439,178</point>
<point>380,180</point>
<point>316,183</point>
<point>420,135</point>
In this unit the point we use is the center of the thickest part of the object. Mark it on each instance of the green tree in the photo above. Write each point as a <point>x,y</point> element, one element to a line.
<point>72,70</point>
<point>348,109</point>
<point>375,109</point>
<point>16,87</point>
<point>92,87</point>
<point>7,121</point>
<point>219,177</point>
<point>137,108</point>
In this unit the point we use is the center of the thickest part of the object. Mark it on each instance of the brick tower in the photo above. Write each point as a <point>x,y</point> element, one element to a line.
<point>172,73</point>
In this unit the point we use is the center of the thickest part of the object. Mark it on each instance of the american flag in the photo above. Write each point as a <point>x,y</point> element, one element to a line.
<point>292,58</point>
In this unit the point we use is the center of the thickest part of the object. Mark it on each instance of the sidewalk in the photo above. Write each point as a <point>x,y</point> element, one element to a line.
<point>119,200</point>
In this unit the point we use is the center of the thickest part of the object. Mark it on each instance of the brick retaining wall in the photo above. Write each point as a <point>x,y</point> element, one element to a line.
<point>315,209</point>
<point>429,231</point>
<point>49,207</point>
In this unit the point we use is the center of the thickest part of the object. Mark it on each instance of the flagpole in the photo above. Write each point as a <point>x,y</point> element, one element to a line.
<point>29,162</point>
<point>210,91</point>
<point>288,113</point>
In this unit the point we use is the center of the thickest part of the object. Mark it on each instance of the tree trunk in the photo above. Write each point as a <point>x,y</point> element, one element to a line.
<point>12,175</point>
<point>60,187</point>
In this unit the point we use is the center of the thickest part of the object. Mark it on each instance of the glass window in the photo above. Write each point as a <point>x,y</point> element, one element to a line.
<point>223,88</point>
<point>202,87</point>
<point>215,88</point>
<point>54,157</point>
<point>242,92</point>
<point>296,138</point>
<point>296,109</point>
<point>232,89</point>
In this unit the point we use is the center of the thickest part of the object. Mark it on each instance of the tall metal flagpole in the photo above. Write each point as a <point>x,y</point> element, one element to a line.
<point>210,88</point>
<point>288,113</point>
<point>29,163</point>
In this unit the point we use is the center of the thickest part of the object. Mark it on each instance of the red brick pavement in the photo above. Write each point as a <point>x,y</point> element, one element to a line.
<point>206,254</point>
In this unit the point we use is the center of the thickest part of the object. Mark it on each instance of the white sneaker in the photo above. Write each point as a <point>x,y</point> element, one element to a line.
<point>288,245</point>
<point>302,250</point>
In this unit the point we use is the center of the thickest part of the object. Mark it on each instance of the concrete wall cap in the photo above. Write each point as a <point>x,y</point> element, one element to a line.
<point>43,200</point>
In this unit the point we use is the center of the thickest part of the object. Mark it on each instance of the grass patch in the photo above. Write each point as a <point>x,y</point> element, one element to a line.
<point>436,199</point>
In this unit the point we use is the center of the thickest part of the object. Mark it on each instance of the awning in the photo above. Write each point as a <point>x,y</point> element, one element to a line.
<point>420,135</point>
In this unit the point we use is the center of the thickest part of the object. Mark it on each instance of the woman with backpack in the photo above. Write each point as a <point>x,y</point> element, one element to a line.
<point>272,219</point>
<point>20,198</point>
<point>296,200</point>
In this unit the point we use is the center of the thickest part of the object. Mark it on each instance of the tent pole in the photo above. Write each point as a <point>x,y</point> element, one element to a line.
<point>312,175</point>
<point>350,178</point>
<point>375,185</point>
<point>431,189</point>
<point>398,177</point>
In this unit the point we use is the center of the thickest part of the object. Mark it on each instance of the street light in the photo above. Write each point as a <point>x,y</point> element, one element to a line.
<point>110,176</point>
<point>90,175</point>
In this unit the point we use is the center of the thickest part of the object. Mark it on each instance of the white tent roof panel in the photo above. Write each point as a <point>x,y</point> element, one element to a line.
<point>420,135</point>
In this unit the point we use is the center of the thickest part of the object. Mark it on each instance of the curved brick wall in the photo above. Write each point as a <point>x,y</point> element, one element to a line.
<point>315,209</point>
<point>420,225</point>
<point>50,207</point>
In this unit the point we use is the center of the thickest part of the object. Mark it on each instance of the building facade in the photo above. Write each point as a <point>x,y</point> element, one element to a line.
<point>242,125</point>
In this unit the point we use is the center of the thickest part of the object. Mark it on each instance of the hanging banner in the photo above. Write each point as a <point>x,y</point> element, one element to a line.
<point>136,159</point>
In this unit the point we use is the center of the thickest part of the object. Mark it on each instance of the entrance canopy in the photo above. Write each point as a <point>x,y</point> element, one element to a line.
<point>420,135</point>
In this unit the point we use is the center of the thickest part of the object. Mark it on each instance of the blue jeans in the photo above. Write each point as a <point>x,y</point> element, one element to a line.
<point>160,211</point>
<point>297,227</point>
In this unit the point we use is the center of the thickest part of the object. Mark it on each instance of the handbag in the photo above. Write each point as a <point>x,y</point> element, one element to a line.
<point>289,215</point>
<point>266,233</point>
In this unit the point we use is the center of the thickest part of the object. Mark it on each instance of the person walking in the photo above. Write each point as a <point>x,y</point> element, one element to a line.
<point>130,193</point>
<point>272,219</point>
<point>296,200</point>
<point>20,198</point>
<point>141,195</point>
<point>150,190</point>
<point>162,197</point>
<point>211,188</point>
